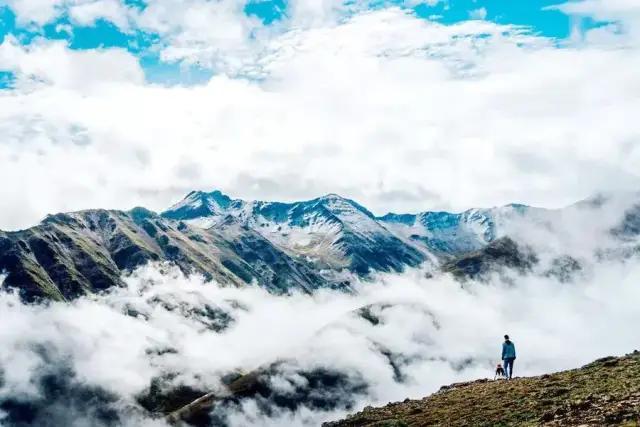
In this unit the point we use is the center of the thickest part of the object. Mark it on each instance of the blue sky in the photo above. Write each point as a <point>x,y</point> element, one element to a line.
<point>502,101</point>
<point>535,15</point>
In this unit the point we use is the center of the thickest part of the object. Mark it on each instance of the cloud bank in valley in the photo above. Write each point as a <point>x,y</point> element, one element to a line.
<point>400,336</point>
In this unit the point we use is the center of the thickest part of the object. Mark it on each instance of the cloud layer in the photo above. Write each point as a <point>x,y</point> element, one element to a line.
<point>398,112</point>
<point>400,336</point>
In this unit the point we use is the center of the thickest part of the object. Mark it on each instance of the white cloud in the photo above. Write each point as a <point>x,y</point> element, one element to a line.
<point>479,13</point>
<point>53,64</point>
<point>83,12</point>
<point>35,11</point>
<point>211,34</point>
<point>609,9</point>
<point>413,3</point>
<point>86,13</point>
<point>397,112</point>
<point>309,13</point>
<point>437,331</point>
<point>623,16</point>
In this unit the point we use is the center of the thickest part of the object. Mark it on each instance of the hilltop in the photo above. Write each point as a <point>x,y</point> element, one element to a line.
<point>604,392</point>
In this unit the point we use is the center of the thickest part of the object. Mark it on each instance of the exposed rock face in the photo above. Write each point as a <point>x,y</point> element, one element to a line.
<point>320,243</point>
<point>605,392</point>
<point>501,253</point>
<point>281,247</point>
<point>68,255</point>
<point>330,231</point>
<point>315,389</point>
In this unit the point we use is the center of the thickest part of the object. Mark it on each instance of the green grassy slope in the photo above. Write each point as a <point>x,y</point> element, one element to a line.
<point>605,392</point>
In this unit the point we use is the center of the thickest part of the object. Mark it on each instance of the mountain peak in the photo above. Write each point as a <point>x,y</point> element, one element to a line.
<point>337,203</point>
<point>199,204</point>
<point>220,198</point>
<point>216,195</point>
<point>331,196</point>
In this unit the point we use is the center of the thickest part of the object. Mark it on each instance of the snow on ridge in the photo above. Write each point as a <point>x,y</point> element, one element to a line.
<point>319,225</point>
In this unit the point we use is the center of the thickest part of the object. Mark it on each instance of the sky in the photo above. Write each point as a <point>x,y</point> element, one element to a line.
<point>402,105</point>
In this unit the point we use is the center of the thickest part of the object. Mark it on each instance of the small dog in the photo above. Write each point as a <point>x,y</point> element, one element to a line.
<point>499,372</point>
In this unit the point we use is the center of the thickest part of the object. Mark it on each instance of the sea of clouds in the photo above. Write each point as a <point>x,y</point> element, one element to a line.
<point>407,113</point>
<point>88,362</point>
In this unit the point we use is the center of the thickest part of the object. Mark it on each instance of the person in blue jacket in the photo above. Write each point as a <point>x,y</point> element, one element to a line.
<point>508,356</point>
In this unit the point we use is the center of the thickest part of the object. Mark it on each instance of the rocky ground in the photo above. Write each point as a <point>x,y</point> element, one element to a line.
<point>605,392</point>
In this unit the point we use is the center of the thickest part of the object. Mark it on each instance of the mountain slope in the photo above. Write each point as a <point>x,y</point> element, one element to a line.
<point>68,255</point>
<point>605,392</point>
<point>330,231</point>
<point>447,233</point>
<point>325,242</point>
<point>500,253</point>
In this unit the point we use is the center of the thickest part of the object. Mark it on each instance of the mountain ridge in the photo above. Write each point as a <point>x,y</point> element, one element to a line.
<point>604,392</point>
<point>427,231</point>
<point>326,242</point>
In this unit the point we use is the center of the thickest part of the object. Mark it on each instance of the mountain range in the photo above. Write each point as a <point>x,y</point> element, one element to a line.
<point>327,242</point>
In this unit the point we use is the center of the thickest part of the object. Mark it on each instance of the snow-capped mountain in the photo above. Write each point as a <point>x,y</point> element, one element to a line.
<point>198,204</point>
<point>329,241</point>
<point>455,233</point>
<point>336,233</point>
<point>331,231</point>
<point>331,228</point>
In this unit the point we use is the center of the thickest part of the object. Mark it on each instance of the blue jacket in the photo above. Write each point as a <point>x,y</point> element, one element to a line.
<point>508,350</point>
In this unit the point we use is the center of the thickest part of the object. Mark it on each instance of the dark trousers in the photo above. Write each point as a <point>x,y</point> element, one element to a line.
<point>508,366</point>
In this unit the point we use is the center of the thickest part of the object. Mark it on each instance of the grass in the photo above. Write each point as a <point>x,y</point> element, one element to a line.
<point>605,392</point>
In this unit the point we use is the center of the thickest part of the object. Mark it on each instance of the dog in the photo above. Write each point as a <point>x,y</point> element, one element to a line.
<point>499,372</point>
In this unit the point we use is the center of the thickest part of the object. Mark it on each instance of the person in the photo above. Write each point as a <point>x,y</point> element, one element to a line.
<point>508,356</point>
